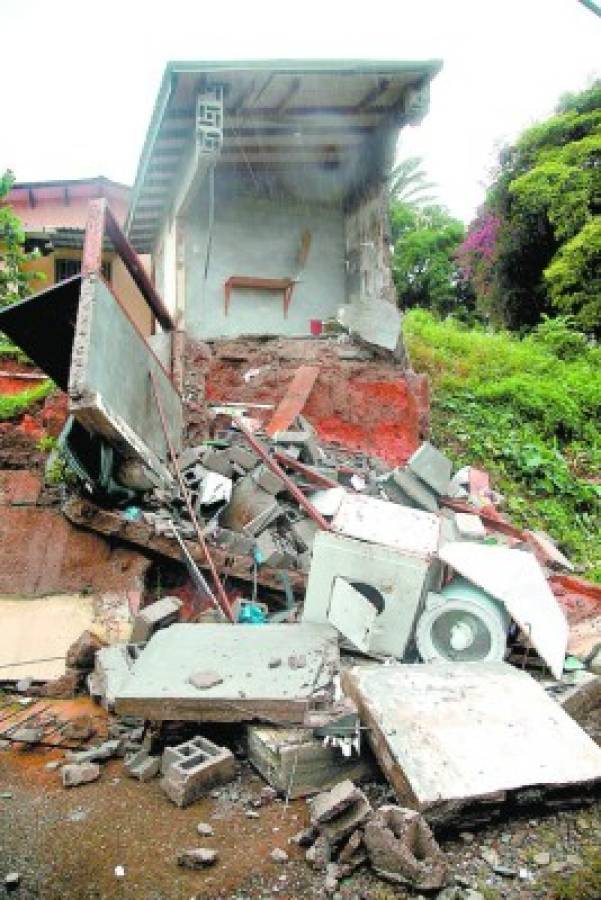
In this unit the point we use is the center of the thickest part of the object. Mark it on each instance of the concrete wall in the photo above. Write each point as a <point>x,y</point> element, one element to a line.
<point>257,230</point>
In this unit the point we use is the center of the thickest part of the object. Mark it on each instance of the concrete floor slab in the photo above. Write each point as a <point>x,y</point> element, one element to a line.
<point>159,687</point>
<point>449,734</point>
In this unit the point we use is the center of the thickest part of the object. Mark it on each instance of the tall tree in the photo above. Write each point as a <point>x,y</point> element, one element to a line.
<point>408,183</point>
<point>424,267</point>
<point>15,282</point>
<point>535,247</point>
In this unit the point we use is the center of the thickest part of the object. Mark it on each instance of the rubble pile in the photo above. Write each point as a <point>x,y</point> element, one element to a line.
<point>372,617</point>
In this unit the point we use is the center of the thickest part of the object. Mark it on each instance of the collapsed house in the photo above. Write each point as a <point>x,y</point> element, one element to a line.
<point>266,432</point>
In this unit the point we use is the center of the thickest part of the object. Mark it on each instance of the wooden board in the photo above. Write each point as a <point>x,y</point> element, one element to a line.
<point>452,735</point>
<point>293,402</point>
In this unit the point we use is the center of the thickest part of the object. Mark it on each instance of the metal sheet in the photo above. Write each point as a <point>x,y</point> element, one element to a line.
<point>381,522</point>
<point>452,732</point>
<point>516,579</point>
<point>401,580</point>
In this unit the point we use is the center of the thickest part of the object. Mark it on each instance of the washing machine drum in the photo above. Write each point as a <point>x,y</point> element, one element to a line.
<point>462,624</point>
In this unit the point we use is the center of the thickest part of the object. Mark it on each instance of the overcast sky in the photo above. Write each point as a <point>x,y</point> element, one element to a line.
<point>79,79</point>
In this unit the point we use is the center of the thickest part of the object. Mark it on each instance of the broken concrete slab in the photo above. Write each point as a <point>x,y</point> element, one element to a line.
<point>401,848</point>
<point>113,665</point>
<point>157,615</point>
<point>331,803</point>
<point>380,522</point>
<point>395,583</point>
<point>192,768</point>
<point>79,773</point>
<point>159,687</point>
<point>328,500</point>
<point>515,578</point>
<point>297,764</point>
<point>27,734</point>
<point>101,753</point>
<point>432,467</point>
<point>454,735</point>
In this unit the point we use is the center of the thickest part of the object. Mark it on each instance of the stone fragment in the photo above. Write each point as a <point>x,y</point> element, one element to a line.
<point>402,849</point>
<point>432,467</point>
<point>332,876</point>
<point>242,457</point>
<point>143,766</point>
<point>205,679</point>
<point>28,735</point>
<point>319,855</point>
<point>79,773</point>
<point>157,615</point>
<point>252,814</point>
<point>268,795</point>
<point>267,480</point>
<point>278,855</point>
<point>411,490</point>
<point>197,858</point>
<point>204,829</point>
<point>490,856</point>
<point>350,848</point>
<point>331,803</point>
<point>82,653</point>
<point>65,687</point>
<point>306,837</point>
<point>542,859</point>
<point>470,527</point>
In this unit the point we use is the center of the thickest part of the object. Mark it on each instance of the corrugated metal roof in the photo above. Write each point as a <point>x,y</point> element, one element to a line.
<point>276,112</point>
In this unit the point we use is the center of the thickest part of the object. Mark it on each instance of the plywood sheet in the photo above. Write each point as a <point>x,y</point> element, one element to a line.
<point>460,732</point>
<point>254,684</point>
<point>515,578</point>
<point>380,522</point>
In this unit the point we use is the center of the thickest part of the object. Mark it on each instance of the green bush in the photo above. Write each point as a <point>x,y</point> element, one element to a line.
<point>14,405</point>
<point>528,410</point>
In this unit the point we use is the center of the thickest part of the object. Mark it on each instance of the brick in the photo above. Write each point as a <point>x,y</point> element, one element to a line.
<point>158,615</point>
<point>191,769</point>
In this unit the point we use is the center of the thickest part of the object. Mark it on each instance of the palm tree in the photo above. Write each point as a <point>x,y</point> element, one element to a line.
<point>408,183</point>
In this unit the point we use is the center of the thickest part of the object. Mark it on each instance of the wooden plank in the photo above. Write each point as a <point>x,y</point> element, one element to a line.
<point>87,515</point>
<point>293,402</point>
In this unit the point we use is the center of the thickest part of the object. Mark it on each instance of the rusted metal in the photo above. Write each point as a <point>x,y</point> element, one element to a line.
<point>223,600</point>
<point>101,220</point>
<point>271,463</point>
<point>135,268</point>
<point>306,471</point>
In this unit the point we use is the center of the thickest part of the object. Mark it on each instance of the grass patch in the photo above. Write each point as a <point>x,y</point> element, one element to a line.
<point>14,405</point>
<point>585,884</point>
<point>528,410</point>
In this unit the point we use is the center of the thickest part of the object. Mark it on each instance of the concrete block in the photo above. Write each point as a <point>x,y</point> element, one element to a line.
<point>197,858</point>
<point>143,766</point>
<point>158,615</point>
<point>432,467</point>
<point>193,768</point>
<point>218,461</point>
<point>304,531</point>
<point>95,754</point>
<point>420,495</point>
<point>243,457</point>
<point>331,803</point>
<point>297,764</point>
<point>470,527</point>
<point>79,773</point>
<point>250,509</point>
<point>31,735</point>
<point>191,456</point>
<point>266,479</point>
<point>402,849</point>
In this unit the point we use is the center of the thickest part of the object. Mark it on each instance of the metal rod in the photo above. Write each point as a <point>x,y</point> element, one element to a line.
<point>223,601</point>
<point>277,470</point>
<point>194,572</point>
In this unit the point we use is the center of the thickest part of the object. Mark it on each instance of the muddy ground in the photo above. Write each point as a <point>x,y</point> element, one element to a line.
<point>66,843</point>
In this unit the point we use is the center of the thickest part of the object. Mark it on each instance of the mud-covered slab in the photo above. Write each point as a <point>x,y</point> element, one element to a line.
<point>449,735</point>
<point>264,671</point>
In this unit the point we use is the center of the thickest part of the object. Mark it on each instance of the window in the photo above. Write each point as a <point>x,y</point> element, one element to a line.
<point>66,268</point>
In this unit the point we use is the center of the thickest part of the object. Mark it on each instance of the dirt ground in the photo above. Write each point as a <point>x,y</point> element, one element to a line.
<point>66,843</point>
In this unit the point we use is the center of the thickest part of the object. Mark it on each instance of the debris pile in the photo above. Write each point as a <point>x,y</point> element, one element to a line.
<point>351,622</point>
